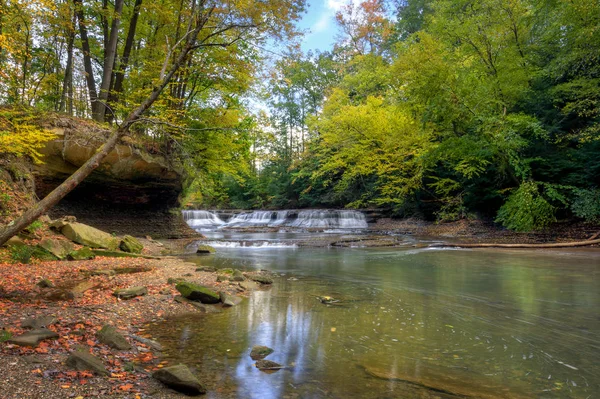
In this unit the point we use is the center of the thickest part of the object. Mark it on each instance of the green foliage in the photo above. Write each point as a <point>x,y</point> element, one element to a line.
<point>21,135</point>
<point>21,253</point>
<point>587,204</point>
<point>5,335</point>
<point>526,209</point>
<point>35,226</point>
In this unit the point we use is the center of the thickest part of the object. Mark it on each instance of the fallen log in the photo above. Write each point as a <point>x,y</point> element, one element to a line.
<point>590,241</point>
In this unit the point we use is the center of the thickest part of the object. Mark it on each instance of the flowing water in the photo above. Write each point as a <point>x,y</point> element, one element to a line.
<point>410,323</point>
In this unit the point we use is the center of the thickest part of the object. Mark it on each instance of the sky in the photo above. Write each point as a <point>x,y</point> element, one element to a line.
<point>320,24</point>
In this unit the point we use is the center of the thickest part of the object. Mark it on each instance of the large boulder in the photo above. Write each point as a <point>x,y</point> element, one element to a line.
<point>131,244</point>
<point>58,248</point>
<point>197,292</point>
<point>89,236</point>
<point>110,336</point>
<point>181,379</point>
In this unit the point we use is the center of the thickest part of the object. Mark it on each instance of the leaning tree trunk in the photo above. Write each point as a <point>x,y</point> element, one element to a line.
<point>72,181</point>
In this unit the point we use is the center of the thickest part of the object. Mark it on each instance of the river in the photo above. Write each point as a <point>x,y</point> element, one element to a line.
<point>410,323</point>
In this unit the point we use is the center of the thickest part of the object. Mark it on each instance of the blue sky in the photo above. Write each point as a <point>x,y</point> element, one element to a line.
<point>320,24</point>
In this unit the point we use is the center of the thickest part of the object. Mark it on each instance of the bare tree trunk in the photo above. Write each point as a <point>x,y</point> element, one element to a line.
<point>87,57</point>
<point>72,181</point>
<point>120,76</point>
<point>110,53</point>
<point>68,80</point>
<point>590,241</point>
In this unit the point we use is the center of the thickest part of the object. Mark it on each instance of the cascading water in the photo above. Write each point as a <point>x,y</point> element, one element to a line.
<point>325,219</point>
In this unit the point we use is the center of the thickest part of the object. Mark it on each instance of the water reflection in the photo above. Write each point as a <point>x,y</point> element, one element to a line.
<point>420,324</point>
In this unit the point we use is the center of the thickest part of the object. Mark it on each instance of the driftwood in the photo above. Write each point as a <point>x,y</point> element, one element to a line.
<point>590,241</point>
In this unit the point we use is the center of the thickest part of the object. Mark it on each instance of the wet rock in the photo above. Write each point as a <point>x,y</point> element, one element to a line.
<point>197,292</point>
<point>198,305</point>
<point>249,285</point>
<point>45,283</point>
<point>84,253</point>
<point>58,248</point>
<point>205,249</point>
<point>131,244</point>
<point>229,300</point>
<point>89,236</point>
<point>260,352</point>
<point>131,292</point>
<point>206,269</point>
<point>237,276</point>
<point>181,379</point>
<point>268,365</point>
<point>33,338</point>
<point>38,322</point>
<point>110,336</point>
<point>82,360</point>
<point>221,278</point>
<point>261,278</point>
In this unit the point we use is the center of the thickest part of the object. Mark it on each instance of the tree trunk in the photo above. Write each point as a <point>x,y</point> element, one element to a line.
<point>68,80</point>
<point>87,58</point>
<point>120,76</point>
<point>109,61</point>
<point>72,181</point>
<point>590,241</point>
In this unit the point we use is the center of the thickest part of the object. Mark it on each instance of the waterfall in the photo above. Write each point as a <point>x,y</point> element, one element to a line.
<point>314,218</point>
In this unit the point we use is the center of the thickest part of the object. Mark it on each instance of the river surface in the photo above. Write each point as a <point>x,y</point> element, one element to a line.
<point>410,323</point>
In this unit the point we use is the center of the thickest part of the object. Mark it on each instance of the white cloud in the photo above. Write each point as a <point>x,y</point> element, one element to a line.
<point>322,24</point>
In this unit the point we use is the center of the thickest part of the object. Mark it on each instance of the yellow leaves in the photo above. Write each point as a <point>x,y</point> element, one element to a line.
<point>21,137</point>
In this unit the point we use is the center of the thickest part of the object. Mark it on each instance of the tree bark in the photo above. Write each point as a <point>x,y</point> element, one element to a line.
<point>88,167</point>
<point>120,76</point>
<point>68,79</point>
<point>110,53</point>
<point>87,58</point>
<point>590,241</point>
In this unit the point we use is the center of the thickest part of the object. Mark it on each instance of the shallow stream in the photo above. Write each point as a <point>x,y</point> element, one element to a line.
<point>410,323</point>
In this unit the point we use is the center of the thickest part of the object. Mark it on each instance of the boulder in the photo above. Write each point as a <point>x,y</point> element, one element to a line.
<point>131,292</point>
<point>197,292</point>
<point>89,236</point>
<point>38,322</point>
<point>110,336</point>
<point>118,254</point>
<point>131,244</point>
<point>58,248</point>
<point>261,278</point>
<point>81,254</point>
<point>181,379</point>
<point>221,278</point>
<point>82,360</point>
<point>248,285</point>
<point>33,338</point>
<point>229,300</point>
<point>58,224</point>
<point>237,276</point>
<point>205,249</point>
<point>15,241</point>
<point>268,365</point>
<point>260,352</point>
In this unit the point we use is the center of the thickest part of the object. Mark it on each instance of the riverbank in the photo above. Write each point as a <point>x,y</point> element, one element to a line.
<point>40,372</point>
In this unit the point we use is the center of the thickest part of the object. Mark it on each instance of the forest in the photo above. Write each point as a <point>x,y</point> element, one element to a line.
<point>435,109</point>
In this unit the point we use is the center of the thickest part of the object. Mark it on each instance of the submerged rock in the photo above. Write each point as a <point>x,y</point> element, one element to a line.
<point>260,352</point>
<point>131,244</point>
<point>33,338</point>
<point>131,292</point>
<point>82,360</point>
<point>197,292</point>
<point>261,278</point>
<point>181,379</point>
<point>110,336</point>
<point>89,236</point>
<point>229,300</point>
<point>268,365</point>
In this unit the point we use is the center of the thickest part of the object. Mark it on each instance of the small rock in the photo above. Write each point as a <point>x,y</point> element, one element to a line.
<point>165,291</point>
<point>268,365</point>
<point>84,253</point>
<point>206,269</point>
<point>110,336</point>
<point>260,352</point>
<point>197,292</point>
<point>177,280</point>
<point>205,249</point>
<point>45,283</point>
<point>237,276</point>
<point>38,322</point>
<point>229,300</point>
<point>33,338</point>
<point>249,285</point>
<point>181,379</point>
<point>131,292</point>
<point>131,244</point>
<point>259,278</point>
<point>221,278</point>
<point>188,275</point>
<point>82,360</point>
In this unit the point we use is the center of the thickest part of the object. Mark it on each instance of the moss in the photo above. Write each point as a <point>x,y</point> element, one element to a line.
<point>197,292</point>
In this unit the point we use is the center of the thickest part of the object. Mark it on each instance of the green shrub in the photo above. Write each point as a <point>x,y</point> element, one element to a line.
<point>587,205</point>
<point>5,335</point>
<point>35,226</point>
<point>21,253</point>
<point>526,209</point>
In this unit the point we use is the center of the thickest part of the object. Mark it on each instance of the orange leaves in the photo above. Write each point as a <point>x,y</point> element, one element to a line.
<point>126,387</point>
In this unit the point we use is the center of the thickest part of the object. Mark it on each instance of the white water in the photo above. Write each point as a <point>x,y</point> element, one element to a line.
<point>328,219</point>
<point>248,244</point>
